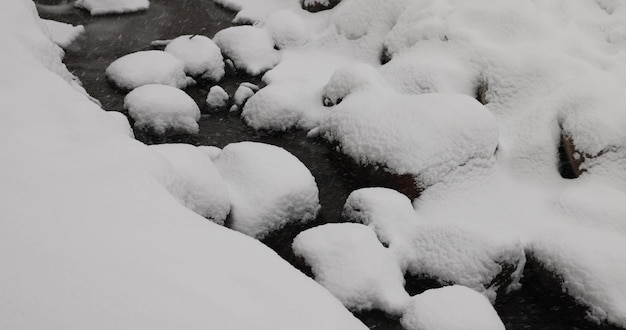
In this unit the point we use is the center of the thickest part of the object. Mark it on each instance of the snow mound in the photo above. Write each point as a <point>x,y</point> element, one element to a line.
<point>217,98</point>
<point>148,67</point>
<point>242,94</point>
<point>200,54</point>
<point>250,48</point>
<point>591,266</point>
<point>388,212</point>
<point>426,136</point>
<point>104,7</point>
<point>348,260</point>
<point>287,29</point>
<point>283,106</point>
<point>160,108</point>
<point>63,34</point>
<point>269,188</point>
<point>123,123</point>
<point>211,151</point>
<point>451,308</point>
<point>350,79</point>
<point>197,184</point>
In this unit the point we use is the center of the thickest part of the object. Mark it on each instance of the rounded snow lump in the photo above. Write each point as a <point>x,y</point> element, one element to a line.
<point>268,188</point>
<point>200,54</point>
<point>250,48</point>
<point>349,261</point>
<point>451,308</point>
<point>148,67</point>
<point>198,184</point>
<point>160,108</point>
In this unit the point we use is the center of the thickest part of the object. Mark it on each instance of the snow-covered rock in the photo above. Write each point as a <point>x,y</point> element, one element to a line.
<point>451,308</point>
<point>287,28</point>
<point>148,67</point>
<point>350,262</point>
<point>104,7</point>
<point>591,265</point>
<point>269,188</point>
<point>161,108</point>
<point>217,98</point>
<point>63,34</point>
<point>319,5</point>
<point>242,94</point>
<point>200,54</point>
<point>210,151</point>
<point>250,48</point>
<point>425,136</point>
<point>197,184</point>
<point>389,213</point>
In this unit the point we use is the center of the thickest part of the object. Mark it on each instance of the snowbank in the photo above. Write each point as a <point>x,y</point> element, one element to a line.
<point>148,67</point>
<point>88,228</point>
<point>197,183</point>
<point>348,260</point>
<point>269,188</point>
<point>200,54</point>
<point>161,108</point>
<point>104,7</point>
<point>63,34</point>
<point>250,48</point>
<point>451,308</point>
<point>287,29</point>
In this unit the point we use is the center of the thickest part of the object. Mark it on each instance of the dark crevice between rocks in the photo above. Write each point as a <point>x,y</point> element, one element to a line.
<point>385,55</point>
<point>319,6</point>
<point>482,89</point>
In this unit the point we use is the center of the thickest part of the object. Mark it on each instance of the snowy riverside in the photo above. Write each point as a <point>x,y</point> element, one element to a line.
<point>313,164</point>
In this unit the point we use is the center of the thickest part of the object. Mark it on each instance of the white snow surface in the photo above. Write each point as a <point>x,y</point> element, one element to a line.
<point>242,94</point>
<point>89,229</point>
<point>542,68</point>
<point>217,98</point>
<point>148,67</point>
<point>197,184</point>
<point>287,28</point>
<point>162,108</point>
<point>269,188</point>
<point>451,308</point>
<point>200,54</point>
<point>250,48</point>
<point>425,135</point>
<point>104,7</point>
<point>63,34</point>
<point>350,262</point>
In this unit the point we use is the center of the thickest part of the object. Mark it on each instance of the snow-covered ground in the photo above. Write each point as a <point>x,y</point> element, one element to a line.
<point>92,238</point>
<point>471,98</point>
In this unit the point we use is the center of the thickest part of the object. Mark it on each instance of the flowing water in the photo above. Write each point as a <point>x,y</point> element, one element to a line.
<point>535,306</point>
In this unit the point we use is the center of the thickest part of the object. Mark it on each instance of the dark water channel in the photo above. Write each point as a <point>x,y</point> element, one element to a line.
<point>110,37</point>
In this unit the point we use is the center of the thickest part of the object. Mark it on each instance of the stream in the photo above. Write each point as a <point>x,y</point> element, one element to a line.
<point>110,37</point>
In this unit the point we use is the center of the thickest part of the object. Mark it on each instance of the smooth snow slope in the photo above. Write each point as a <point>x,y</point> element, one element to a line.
<point>90,238</point>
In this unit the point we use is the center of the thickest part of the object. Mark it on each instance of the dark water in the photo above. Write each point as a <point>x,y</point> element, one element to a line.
<point>537,306</point>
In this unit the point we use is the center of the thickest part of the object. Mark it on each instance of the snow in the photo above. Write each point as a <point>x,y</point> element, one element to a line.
<point>161,108</point>
<point>388,212</point>
<point>123,123</point>
<point>89,229</point>
<point>217,98</point>
<point>200,54</point>
<point>148,67</point>
<point>63,34</point>
<point>211,151</point>
<point>425,135</point>
<point>105,7</point>
<point>348,260</point>
<point>242,94</point>
<point>269,188</point>
<point>250,48</point>
<point>197,183</point>
<point>282,106</point>
<point>451,308</point>
<point>287,28</point>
